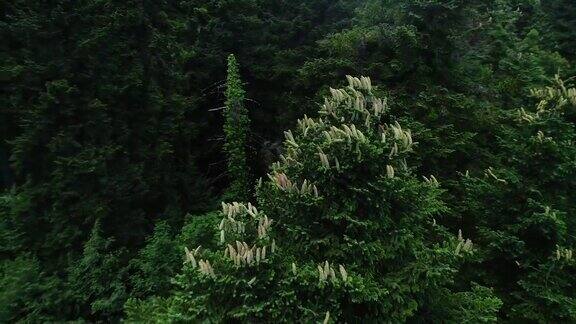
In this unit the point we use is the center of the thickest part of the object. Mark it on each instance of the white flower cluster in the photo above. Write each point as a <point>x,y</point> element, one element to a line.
<point>203,266</point>
<point>523,115</point>
<point>563,253</point>
<point>306,123</point>
<point>346,105</point>
<point>432,180</point>
<point>264,224</point>
<point>558,94</point>
<point>404,136</point>
<point>352,101</point>
<point>230,223</point>
<point>206,268</point>
<point>390,171</point>
<point>463,245</point>
<point>190,256</point>
<point>326,318</point>
<point>326,271</point>
<point>281,181</point>
<point>244,255</point>
<point>361,83</point>
<point>344,134</point>
<point>241,253</point>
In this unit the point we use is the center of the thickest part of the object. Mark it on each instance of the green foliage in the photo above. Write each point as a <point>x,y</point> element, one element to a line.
<point>96,278</point>
<point>156,263</point>
<point>102,126</point>
<point>518,211</point>
<point>343,231</point>
<point>21,284</point>
<point>109,146</point>
<point>236,129</point>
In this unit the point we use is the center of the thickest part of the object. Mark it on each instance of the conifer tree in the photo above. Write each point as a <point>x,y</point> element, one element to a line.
<point>343,232</point>
<point>519,210</point>
<point>96,283</point>
<point>236,128</point>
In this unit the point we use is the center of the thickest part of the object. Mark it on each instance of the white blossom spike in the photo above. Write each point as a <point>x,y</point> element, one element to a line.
<point>326,318</point>
<point>343,273</point>
<point>189,258</point>
<point>390,171</point>
<point>333,275</point>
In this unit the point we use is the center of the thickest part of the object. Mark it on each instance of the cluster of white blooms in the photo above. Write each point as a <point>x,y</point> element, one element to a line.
<point>235,208</point>
<point>306,123</point>
<point>326,271</point>
<point>523,115</point>
<point>206,268</point>
<point>230,223</point>
<point>244,255</point>
<point>281,181</point>
<point>360,83</point>
<point>190,256</point>
<point>432,180</point>
<point>326,318</point>
<point>390,171</point>
<point>240,253</point>
<point>290,139</point>
<point>540,137</point>
<point>324,160</point>
<point>559,95</point>
<point>264,224</point>
<point>354,102</point>
<point>203,266</point>
<point>563,253</point>
<point>346,106</point>
<point>553,99</point>
<point>463,245</point>
<point>403,136</point>
<point>344,134</point>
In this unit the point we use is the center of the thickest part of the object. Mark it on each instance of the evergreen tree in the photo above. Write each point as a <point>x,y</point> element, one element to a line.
<point>156,263</point>
<point>96,279</point>
<point>236,129</point>
<point>106,130</point>
<point>519,210</point>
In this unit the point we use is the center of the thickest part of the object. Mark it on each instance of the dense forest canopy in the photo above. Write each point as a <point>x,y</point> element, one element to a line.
<point>288,161</point>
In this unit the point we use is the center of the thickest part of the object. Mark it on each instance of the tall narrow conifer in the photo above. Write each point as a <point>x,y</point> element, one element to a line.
<point>236,126</point>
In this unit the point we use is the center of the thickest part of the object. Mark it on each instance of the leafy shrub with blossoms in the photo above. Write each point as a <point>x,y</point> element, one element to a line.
<point>342,231</point>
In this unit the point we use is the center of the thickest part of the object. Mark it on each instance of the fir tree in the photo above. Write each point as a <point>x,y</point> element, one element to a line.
<point>236,128</point>
<point>518,211</point>
<point>96,279</point>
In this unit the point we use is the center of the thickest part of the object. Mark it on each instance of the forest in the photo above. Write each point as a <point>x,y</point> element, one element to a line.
<point>288,161</point>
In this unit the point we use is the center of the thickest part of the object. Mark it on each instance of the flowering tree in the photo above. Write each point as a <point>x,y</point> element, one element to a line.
<point>343,231</point>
